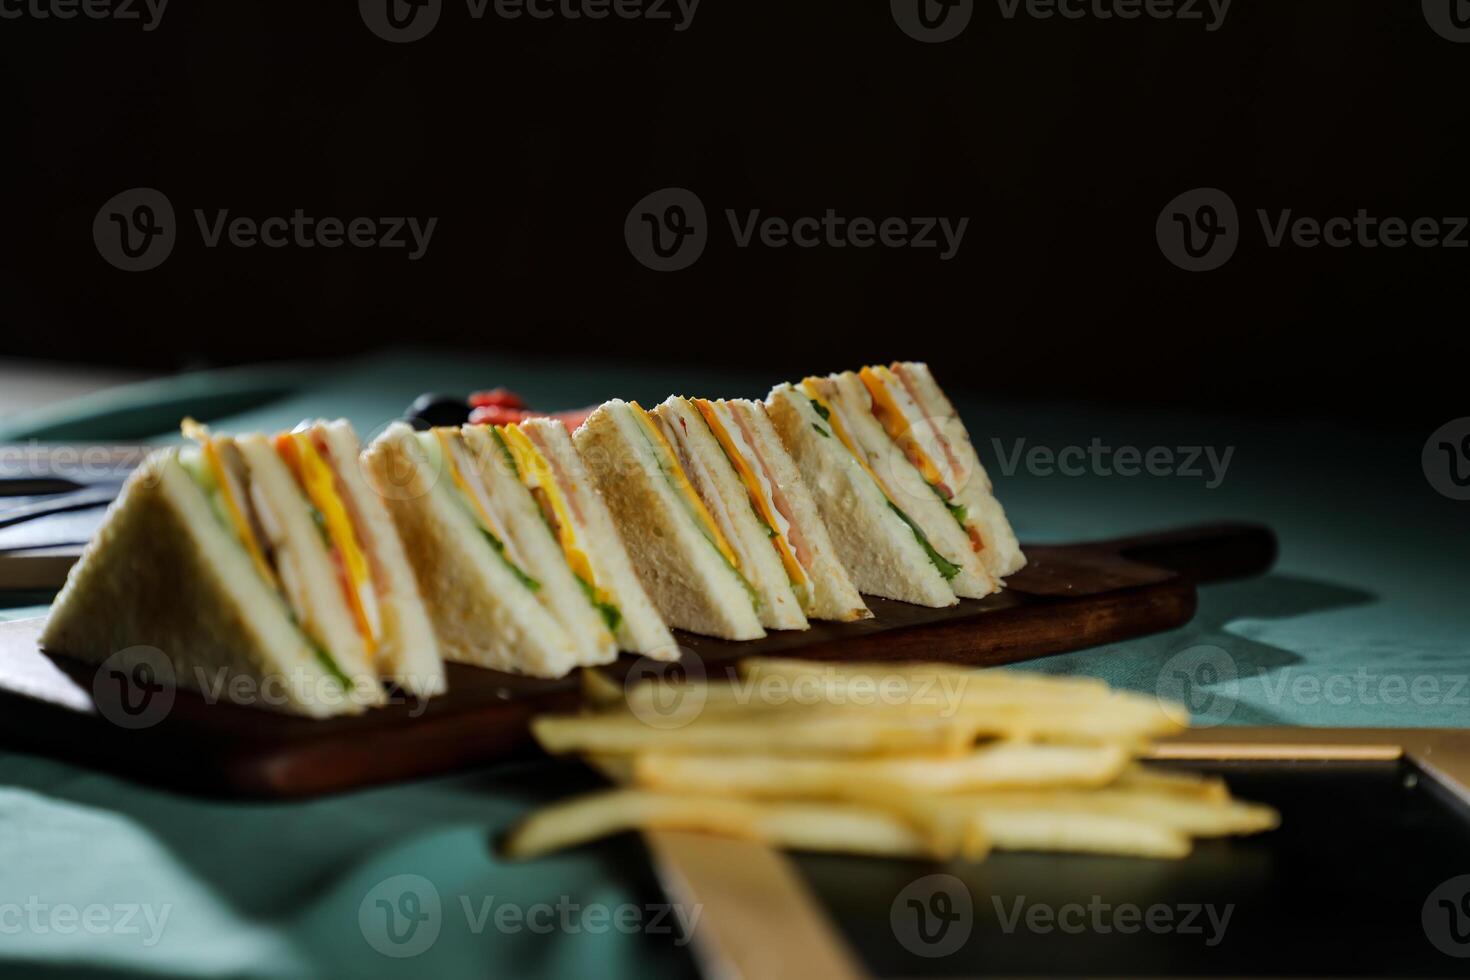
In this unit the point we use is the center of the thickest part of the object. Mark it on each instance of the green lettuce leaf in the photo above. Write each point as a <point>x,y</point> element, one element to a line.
<point>611,614</point>
<point>946,567</point>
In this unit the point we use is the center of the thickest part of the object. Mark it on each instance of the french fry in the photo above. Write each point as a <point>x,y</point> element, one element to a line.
<point>616,769</point>
<point>882,759</point>
<point>1175,781</point>
<point>999,765</point>
<point>854,729</point>
<point>941,687</point>
<point>999,702</point>
<point>940,694</point>
<point>1039,821</point>
<point>1041,829</point>
<point>600,690</point>
<point>918,673</point>
<point>842,828</point>
<point>1197,818</point>
<point>834,733</point>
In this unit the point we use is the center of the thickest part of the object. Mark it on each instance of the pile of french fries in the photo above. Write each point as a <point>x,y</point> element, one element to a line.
<point>899,760</point>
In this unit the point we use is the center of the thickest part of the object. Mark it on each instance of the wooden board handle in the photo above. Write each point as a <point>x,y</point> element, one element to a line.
<point>1203,552</point>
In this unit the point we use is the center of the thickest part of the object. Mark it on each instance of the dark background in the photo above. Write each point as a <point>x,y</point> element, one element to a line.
<point>530,140</point>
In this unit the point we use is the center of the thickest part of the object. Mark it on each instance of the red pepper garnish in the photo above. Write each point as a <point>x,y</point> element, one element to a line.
<point>497,415</point>
<point>501,397</point>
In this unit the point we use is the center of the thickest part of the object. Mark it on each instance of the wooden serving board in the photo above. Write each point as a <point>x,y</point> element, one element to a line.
<point>1067,598</point>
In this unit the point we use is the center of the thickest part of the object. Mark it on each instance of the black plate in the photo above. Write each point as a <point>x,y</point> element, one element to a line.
<point>1339,890</point>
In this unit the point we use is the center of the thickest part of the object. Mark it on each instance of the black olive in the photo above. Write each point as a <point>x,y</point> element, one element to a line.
<point>432,409</point>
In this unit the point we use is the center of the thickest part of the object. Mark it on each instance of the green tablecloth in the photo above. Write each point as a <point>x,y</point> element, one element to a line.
<point>1364,623</point>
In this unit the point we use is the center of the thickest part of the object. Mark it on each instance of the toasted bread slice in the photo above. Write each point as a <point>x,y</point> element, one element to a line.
<point>166,571</point>
<point>680,554</point>
<point>302,562</point>
<point>725,496</point>
<point>531,538</point>
<point>548,463</point>
<point>880,550</point>
<point>407,652</point>
<point>959,464</point>
<point>484,608</point>
<point>775,484</point>
<point>902,483</point>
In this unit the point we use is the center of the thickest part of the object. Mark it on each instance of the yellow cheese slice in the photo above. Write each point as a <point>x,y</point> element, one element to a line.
<point>794,571</point>
<point>236,512</point>
<point>886,410</point>
<point>320,484</point>
<point>536,473</point>
<point>683,486</point>
<point>835,422</point>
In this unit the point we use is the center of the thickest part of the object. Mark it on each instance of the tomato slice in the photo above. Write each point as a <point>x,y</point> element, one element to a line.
<point>500,415</point>
<point>573,417</point>
<point>501,397</point>
<point>496,415</point>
